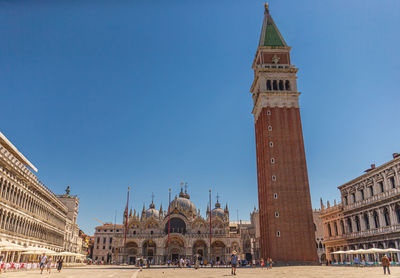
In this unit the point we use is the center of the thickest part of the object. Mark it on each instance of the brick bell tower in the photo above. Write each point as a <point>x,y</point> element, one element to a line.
<point>286,222</point>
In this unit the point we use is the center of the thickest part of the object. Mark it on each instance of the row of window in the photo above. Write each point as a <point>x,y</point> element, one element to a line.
<point>29,202</point>
<point>104,240</point>
<point>105,231</point>
<point>362,194</point>
<point>278,85</point>
<point>271,144</point>
<point>367,223</point>
<point>274,66</point>
<point>104,247</point>
<point>320,245</point>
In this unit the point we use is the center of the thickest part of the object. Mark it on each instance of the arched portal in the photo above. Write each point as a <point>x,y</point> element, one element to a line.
<point>175,249</point>
<point>218,251</point>
<point>131,248</point>
<point>200,249</point>
<point>149,250</point>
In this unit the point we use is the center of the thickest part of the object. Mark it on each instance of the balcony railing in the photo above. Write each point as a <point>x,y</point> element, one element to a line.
<point>366,233</point>
<point>378,197</point>
<point>377,231</point>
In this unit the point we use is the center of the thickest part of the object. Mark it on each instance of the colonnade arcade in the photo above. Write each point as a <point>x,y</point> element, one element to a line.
<point>17,195</point>
<point>12,223</point>
<point>159,252</point>
<point>368,220</point>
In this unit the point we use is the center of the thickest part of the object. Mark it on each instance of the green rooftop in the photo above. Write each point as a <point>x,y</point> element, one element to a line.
<point>272,37</point>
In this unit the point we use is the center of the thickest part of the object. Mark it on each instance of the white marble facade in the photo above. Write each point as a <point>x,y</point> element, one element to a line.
<point>369,214</point>
<point>30,213</point>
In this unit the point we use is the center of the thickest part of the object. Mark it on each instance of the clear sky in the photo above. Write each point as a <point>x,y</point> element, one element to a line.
<point>102,95</point>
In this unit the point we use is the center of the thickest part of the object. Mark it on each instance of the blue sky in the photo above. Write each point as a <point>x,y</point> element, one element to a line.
<point>102,95</point>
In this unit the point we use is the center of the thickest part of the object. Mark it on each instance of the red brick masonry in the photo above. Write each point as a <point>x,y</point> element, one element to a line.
<point>296,242</point>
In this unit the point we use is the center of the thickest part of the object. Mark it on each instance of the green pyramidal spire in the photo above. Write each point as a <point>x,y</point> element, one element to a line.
<point>270,35</point>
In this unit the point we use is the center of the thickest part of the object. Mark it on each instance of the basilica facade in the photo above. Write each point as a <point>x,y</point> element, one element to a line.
<point>189,234</point>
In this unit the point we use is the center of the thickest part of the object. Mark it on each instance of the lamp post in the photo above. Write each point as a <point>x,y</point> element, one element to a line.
<point>169,223</point>
<point>210,225</point>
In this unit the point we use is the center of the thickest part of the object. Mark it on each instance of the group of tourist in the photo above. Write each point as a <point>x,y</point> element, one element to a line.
<point>267,263</point>
<point>46,263</point>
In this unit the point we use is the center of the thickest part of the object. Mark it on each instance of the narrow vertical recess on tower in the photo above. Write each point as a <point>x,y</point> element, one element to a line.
<point>286,223</point>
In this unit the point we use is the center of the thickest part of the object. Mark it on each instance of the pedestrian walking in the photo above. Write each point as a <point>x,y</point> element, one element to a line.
<point>356,261</point>
<point>269,263</point>
<point>262,263</point>
<point>59,264</point>
<point>234,261</point>
<point>43,261</point>
<point>141,263</point>
<point>385,263</point>
<point>49,261</point>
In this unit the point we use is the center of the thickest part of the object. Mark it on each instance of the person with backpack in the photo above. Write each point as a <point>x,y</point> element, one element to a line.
<point>234,262</point>
<point>385,263</point>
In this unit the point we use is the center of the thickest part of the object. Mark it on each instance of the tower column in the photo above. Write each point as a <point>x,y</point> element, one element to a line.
<point>286,223</point>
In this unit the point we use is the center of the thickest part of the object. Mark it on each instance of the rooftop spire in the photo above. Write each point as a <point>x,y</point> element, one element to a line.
<point>152,201</point>
<point>181,194</point>
<point>270,35</point>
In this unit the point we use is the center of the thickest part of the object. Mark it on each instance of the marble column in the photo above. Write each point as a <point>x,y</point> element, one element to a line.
<point>371,219</point>
<point>381,216</point>
<point>392,214</point>
<point>363,227</point>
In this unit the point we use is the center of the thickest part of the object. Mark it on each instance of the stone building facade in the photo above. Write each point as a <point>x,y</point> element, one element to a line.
<point>319,235</point>
<point>369,213</point>
<point>30,213</point>
<point>103,242</point>
<point>147,235</point>
<point>72,239</point>
<point>287,230</point>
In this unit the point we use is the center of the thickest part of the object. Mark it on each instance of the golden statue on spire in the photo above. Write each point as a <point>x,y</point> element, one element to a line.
<point>266,6</point>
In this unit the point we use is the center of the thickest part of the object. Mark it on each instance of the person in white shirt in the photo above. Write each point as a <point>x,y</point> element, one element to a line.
<point>43,262</point>
<point>49,265</point>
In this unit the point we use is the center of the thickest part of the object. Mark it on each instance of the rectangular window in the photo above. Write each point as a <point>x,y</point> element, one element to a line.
<point>381,186</point>
<point>104,247</point>
<point>110,240</point>
<point>98,240</point>
<point>362,194</point>
<point>353,196</point>
<point>104,240</point>
<point>392,183</point>
<point>345,201</point>
<point>371,191</point>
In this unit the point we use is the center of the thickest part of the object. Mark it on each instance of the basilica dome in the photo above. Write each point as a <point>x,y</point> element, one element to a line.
<point>218,211</point>
<point>152,211</point>
<point>184,203</point>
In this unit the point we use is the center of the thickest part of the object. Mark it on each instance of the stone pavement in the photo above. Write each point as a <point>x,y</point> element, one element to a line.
<point>277,272</point>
